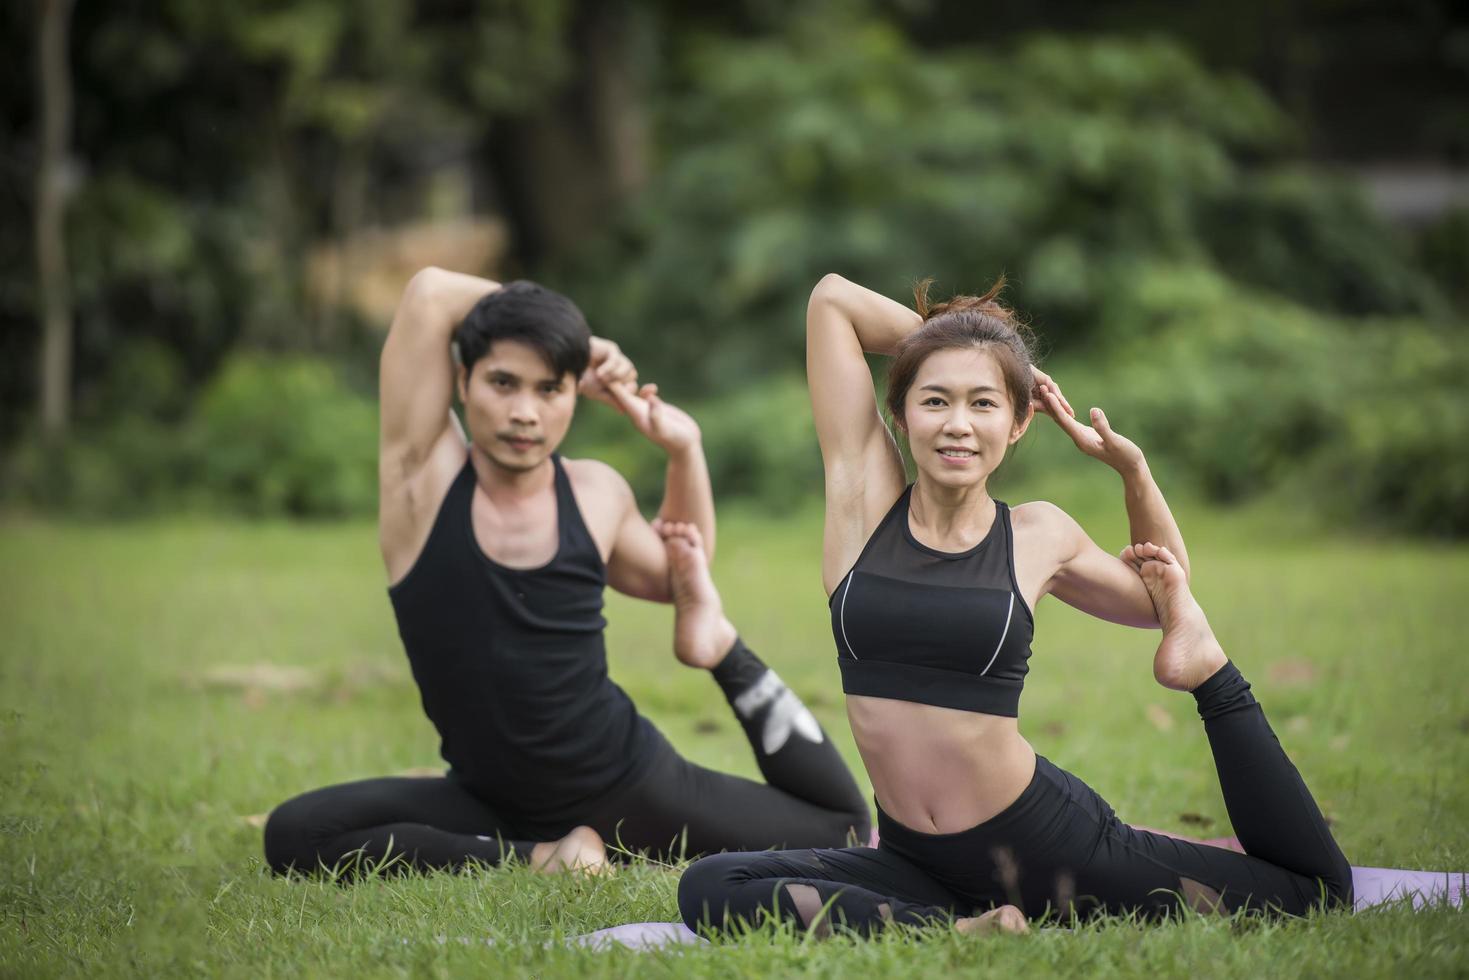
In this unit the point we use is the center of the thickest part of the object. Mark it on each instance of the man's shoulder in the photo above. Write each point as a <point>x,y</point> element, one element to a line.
<point>595,476</point>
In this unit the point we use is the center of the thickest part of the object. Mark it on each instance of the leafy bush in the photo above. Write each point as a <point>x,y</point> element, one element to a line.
<point>1399,456</point>
<point>268,436</point>
<point>1245,391</point>
<point>760,443</point>
<point>1312,237</point>
<point>128,457</point>
<point>285,436</point>
<point>1064,163</point>
<point>131,467</point>
<point>1444,252</point>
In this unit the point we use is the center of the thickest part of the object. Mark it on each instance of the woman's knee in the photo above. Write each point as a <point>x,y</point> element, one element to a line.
<point>1339,890</point>
<point>705,887</point>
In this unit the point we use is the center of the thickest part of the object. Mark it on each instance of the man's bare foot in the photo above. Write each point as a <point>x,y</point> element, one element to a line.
<point>1005,919</point>
<point>701,634</point>
<point>1189,653</point>
<point>581,851</point>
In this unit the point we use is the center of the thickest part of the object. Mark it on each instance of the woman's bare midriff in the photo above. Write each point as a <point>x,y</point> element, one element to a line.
<point>939,770</point>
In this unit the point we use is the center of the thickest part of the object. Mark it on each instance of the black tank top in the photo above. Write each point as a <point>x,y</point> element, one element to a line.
<point>943,628</point>
<point>512,666</point>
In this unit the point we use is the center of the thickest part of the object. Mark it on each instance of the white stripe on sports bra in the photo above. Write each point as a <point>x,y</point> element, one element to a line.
<point>1006,633</point>
<point>842,616</point>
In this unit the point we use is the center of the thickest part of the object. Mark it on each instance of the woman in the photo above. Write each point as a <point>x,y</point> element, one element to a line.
<point>931,588</point>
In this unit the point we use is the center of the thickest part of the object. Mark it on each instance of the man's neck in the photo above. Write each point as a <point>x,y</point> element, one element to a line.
<point>507,486</point>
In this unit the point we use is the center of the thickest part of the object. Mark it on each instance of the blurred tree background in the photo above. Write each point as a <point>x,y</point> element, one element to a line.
<point>1201,209</point>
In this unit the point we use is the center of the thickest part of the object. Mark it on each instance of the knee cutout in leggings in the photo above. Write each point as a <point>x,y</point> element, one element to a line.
<point>1200,897</point>
<point>809,907</point>
<point>1009,873</point>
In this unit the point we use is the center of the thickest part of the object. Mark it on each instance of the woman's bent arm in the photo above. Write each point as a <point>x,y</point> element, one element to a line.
<point>1148,516</point>
<point>864,472</point>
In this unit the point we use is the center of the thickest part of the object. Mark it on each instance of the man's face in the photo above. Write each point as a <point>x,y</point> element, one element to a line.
<point>516,409</point>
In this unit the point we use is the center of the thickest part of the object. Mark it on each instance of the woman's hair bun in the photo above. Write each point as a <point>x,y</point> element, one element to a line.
<point>988,304</point>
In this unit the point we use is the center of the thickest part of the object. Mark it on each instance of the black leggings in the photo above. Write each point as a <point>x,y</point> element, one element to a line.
<point>668,808</point>
<point>1058,849</point>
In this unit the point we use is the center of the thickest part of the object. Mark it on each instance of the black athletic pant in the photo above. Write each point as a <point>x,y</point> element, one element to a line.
<point>668,808</point>
<point>1059,848</point>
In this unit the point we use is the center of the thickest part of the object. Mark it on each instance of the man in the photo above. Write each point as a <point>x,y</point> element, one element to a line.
<point>498,552</point>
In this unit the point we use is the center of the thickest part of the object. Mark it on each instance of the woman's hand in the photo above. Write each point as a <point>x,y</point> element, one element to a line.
<point>608,367</point>
<point>1042,384</point>
<point>668,427</point>
<point>1096,440</point>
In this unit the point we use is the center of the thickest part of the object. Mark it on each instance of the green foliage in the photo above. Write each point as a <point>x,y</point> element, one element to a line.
<point>1444,250</point>
<point>131,461</point>
<point>268,436</point>
<point>759,441</point>
<point>1244,391</point>
<point>285,436</point>
<point>128,468</point>
<point>1153,216</point>
<point>762,445</point>
<point>214,145</point>
<point>1310,236</point>
<point>1063,163</point>
<point>1399,459</point>
<point>1147,212</point>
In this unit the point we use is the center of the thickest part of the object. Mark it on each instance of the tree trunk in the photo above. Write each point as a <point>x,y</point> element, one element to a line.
<point>561,172</point>
<point>51,190</point>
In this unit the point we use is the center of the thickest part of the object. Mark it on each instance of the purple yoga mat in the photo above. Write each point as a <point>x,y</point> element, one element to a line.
<point>641,935</point>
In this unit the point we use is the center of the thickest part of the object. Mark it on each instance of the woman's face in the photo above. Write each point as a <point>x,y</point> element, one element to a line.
<point>960,417</point>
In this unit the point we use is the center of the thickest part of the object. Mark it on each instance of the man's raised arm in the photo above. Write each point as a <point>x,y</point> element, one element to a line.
<point>416,374</point>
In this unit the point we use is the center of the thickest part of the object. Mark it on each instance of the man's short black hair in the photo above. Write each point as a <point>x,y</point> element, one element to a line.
<point>533,315</point>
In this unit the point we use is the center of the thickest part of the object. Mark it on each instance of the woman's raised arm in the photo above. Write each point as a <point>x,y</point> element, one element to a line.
<point>864,471</point>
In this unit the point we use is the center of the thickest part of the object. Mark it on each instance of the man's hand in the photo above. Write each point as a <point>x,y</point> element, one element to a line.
<point>609,367</point>
<point>669,427</point>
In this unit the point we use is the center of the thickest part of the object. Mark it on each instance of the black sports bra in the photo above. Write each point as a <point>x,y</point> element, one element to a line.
<point>949,629</point>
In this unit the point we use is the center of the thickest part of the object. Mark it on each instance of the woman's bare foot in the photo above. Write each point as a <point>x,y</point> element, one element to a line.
<point>581,851</point>
<point>1005,919</point>
<point>701,634</point>
<point>1189,653</point>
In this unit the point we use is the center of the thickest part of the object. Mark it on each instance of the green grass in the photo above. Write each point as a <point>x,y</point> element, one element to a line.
<point>127,776</point>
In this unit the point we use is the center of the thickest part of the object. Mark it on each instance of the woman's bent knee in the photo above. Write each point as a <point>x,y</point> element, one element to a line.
<point>704,888</point>
<point>1340,892</point>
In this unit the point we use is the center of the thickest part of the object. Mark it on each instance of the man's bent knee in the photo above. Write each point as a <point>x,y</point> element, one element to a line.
<point>288,843</point>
